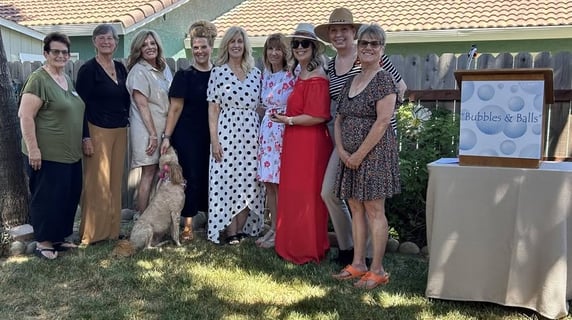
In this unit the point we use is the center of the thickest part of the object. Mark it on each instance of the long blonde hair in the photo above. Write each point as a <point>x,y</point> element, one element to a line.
<point>137,45</point>
<point>247,62</point>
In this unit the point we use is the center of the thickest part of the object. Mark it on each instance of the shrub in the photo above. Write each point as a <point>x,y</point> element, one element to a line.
<point>424,136</point>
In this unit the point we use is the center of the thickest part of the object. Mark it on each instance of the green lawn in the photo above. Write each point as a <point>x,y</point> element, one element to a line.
<point>204,281</point>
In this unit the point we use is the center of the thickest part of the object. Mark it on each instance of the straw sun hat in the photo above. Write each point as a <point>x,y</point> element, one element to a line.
<point>306,31</point>
<point>340,16</point>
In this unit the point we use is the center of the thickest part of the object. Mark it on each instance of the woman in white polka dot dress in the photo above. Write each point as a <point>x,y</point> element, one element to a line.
<point>236,198</point>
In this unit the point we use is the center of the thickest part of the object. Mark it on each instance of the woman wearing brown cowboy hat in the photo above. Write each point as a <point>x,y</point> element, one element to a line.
<point>341,32</point>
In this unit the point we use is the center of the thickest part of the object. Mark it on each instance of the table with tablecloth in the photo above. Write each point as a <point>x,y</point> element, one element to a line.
<point>501,235</point>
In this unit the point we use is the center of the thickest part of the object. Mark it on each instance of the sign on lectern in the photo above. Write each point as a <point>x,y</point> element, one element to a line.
<point>503,116</point>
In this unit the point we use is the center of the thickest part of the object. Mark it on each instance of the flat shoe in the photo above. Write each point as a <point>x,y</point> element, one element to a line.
<point>269,242</point>
<point>265,237</point>
<point>39,252</point>
<point>372,280</point>
<point>350,273</point>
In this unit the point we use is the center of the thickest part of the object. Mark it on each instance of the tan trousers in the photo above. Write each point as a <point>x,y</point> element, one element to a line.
<point>101,197</point>
<point>339,213</point>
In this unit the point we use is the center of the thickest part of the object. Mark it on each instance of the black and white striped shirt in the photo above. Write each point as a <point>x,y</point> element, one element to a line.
<point>337,81</point>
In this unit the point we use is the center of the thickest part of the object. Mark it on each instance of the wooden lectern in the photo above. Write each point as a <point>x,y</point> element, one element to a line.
<point>503,116</point>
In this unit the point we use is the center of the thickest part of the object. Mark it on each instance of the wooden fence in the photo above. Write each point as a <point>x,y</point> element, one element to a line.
<point>431,82</point>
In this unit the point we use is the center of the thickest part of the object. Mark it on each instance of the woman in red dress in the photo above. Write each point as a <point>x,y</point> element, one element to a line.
<point>302,225</point>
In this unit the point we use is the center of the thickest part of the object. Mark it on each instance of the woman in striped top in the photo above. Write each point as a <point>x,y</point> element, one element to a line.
<point>341,32</point>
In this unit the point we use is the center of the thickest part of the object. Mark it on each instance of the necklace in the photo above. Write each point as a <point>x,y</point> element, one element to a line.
<point>108,67</point>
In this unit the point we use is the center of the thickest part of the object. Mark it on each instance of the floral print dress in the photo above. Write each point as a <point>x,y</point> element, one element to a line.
<point>276,88</point>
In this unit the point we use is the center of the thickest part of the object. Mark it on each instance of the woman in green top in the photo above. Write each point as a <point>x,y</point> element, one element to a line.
<point>51,119</point>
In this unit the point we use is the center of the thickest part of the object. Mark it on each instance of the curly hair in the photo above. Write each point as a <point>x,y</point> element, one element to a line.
<point>203,29</point>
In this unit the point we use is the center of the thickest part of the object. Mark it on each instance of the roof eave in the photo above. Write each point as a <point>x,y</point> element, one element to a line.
<point>22,29</point>
<point>481,34</point>
<point>77,30</point>
<point>86,29</point>
<point>154,16</point>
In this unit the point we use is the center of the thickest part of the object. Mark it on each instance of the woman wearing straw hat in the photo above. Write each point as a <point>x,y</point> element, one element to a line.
<point>341,32</point>
<point>302,226</point>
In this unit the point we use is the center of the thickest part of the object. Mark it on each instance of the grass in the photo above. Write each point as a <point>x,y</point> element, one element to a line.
<point>205,281</point>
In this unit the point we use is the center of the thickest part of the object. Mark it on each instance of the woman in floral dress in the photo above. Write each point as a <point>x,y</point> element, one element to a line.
<point>277,84</point>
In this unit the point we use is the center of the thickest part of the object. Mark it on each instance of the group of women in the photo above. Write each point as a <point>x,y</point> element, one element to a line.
<point>210,114</point>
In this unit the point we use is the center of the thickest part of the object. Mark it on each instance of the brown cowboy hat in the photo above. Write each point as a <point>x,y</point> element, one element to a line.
<point>340,16</point>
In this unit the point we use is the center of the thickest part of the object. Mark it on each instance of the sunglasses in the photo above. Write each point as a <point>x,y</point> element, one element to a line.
<point>364,43</point>
<point>57,52</point>
<point>305,43</point>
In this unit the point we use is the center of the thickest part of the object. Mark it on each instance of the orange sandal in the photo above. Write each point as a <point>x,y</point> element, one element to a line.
<point>372,280</point>
<point>349,272</point>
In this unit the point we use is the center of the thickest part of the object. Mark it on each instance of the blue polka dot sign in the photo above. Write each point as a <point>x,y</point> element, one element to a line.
<point>502,120</point>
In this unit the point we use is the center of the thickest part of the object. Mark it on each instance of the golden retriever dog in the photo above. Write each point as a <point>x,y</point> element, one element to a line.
<point>163,213</point>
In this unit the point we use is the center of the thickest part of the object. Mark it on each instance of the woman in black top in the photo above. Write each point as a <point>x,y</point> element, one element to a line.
<point>187,127</point>
<point>101,84</point>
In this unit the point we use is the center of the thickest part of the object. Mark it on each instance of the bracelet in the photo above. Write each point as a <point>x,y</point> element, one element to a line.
<point>290,121</point>
<point>86,139</point>
<point>153,137</point>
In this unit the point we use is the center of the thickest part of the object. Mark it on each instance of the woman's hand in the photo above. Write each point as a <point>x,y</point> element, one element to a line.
<point>87,146</point>
<point>35,158</point>
<point>152,146</point>
<point>277,117</point>
<point>353,161</point>
<point>165,145</point>
<point>216,151</point>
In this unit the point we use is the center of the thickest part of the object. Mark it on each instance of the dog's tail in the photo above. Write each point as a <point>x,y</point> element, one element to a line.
<point>123,248</point>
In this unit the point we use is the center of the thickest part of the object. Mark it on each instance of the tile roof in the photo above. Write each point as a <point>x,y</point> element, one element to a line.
<point>263,17</point>
<point>57,12</point>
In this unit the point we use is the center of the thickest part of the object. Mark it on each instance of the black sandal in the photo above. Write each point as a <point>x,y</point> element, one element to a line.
<point>39,252</point>
<point>241,236</point>
<point>232,240</point>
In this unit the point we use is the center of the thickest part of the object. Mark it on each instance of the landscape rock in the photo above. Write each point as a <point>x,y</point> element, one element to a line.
<point>408,247</point>
<point>22,233</point>
<point>392,245</point>
<point>17,248</point>
<point>31,247</point>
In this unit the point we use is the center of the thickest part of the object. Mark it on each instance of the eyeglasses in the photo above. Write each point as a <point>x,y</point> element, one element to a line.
<point>374,44</point>
<point>57,52</point>
<point>305,43</point>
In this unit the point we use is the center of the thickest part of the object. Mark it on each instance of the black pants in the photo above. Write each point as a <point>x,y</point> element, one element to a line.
<point>55,191</point>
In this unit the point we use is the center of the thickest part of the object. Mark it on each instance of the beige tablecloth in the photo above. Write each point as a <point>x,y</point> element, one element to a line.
<point>502,235</point>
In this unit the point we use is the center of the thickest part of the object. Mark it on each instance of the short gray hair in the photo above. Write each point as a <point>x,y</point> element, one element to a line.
<point>373,30</point>
<point>103,29</point>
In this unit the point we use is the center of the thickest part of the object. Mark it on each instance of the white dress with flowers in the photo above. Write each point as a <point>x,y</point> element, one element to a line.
<point>276,88</point>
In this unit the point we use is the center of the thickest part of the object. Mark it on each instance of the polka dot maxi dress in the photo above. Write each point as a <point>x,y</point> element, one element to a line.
<point>232,182</point>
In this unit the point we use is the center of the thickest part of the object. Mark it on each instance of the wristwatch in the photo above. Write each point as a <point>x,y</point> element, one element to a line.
<point>164,136</point>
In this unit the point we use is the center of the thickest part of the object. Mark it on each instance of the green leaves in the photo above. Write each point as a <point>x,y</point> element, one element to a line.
<point>424,136</point>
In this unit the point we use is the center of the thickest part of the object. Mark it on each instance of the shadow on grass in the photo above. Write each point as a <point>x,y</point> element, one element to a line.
<point>196,282</point>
